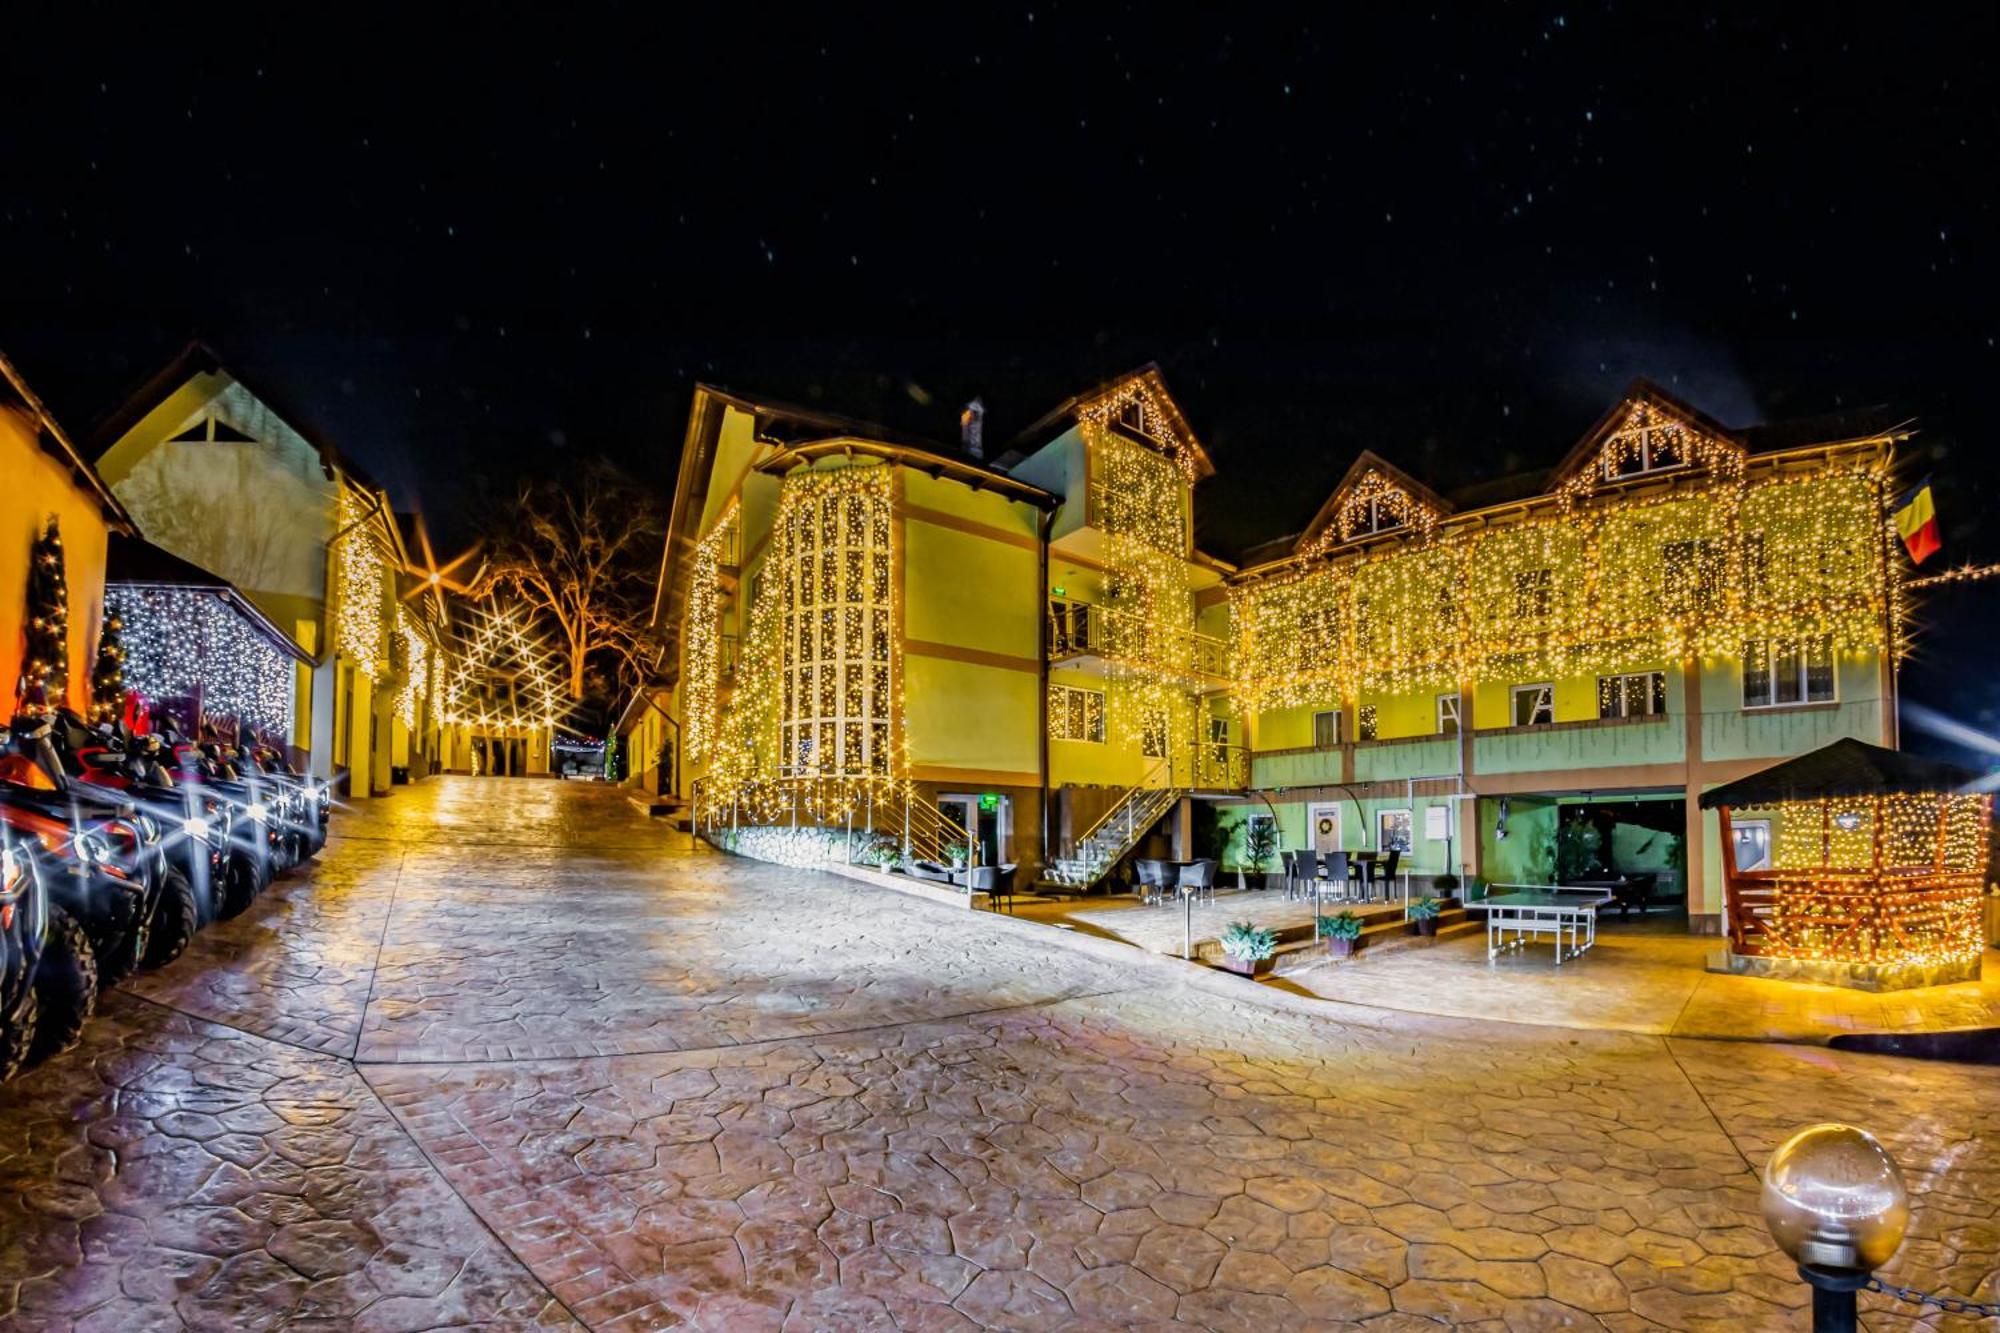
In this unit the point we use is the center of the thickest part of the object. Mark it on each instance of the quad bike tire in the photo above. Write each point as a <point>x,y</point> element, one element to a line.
<point>17,1034</point>
<point>118,956</point>
<point>175,919</point>
<point>65,986</point>
<point>241,883</point>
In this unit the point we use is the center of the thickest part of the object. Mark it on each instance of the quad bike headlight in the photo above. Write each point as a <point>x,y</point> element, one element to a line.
<point>195,828</point>
<point>259,811</point>
<point>93,850</point>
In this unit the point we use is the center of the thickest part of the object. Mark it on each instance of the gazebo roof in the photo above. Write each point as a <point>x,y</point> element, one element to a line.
<point>1845,768</point>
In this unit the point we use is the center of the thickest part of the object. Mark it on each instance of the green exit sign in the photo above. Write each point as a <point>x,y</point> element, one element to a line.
<point>989,802</point>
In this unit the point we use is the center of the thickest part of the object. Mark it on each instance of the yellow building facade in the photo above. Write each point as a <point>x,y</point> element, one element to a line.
<point>216,474</point>
<point>1036,648</point>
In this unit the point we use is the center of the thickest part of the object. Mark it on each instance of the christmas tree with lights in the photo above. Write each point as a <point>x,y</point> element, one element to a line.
<point>107,677</point>
<point>45,671</point>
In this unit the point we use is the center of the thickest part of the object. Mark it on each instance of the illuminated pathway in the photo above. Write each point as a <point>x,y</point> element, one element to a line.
<point>512,1054</point>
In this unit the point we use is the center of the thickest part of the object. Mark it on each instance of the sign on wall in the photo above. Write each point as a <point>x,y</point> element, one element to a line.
<point>1437,822</point>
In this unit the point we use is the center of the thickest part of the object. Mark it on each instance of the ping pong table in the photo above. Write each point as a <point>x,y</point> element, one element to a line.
<point>1528,910</point>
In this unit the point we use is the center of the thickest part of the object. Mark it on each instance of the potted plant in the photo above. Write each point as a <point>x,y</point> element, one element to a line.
<point>884,856</point>
<point>1247,949</point>
<point>1424,917</point>
<point>1445,884</point>
<point>955,854</point>
<point>1342,933</point>
<point>1260,844</point>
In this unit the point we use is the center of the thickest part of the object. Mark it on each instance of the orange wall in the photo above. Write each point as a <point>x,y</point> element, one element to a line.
<point>38,485</point>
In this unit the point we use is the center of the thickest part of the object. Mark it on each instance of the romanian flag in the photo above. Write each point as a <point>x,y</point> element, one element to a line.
<point>1916,522</point>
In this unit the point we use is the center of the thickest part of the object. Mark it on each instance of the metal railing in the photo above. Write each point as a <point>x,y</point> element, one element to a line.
<point>876,810</point>
<point>1086,629</point>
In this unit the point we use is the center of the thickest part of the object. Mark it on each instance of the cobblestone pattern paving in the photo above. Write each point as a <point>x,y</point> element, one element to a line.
<point>171,1173</point>
<point>605,1079</point>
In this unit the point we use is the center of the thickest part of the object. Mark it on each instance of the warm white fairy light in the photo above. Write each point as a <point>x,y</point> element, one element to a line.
<point>704,632</point>
<point>359,587</point>
<point>416,650</point>
<point>1698,569</point>
<point>503,677</point>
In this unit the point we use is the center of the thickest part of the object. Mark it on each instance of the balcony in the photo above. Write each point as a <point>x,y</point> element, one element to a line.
<point>1081,631</point>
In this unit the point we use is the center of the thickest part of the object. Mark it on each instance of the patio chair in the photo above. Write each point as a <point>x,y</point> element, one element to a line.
<point>1152,880</point>
<point>1339,870</point>
<point>997,882</point>
<point>1385,872</point>
<point>1306,867</point>
<point>1198,878</point>
<point>1291,864</point>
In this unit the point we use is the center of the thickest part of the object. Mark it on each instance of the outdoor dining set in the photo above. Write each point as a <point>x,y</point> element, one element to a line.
<point>1360,876</point>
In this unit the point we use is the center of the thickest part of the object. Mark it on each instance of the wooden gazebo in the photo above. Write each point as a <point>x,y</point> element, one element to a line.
<point>1876,869</point>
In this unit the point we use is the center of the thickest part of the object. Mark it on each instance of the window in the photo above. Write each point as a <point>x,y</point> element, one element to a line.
<point>1534,705</point>
<point>1374,515</point>
<point>1326,729</point>
<point>1534,593</point>
<point>1635,694</point>
<point>1753,843</point>
<point>1152,735</point>
<point>1366,727</point>
<point>1692,575</point>
<point>831,552</point>
<point>1078,715</point>
<point>1447,713</point>
<point>1778,673</point>
<point>1218,743</point>
<point>1392,830</point>
<point>1642,449</point>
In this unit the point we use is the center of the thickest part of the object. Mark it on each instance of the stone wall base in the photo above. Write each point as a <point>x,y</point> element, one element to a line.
<point>1854,976</point>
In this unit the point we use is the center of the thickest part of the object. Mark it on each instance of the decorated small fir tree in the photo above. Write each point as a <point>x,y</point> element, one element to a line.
<point>45,667</point>
<point>107,677</point>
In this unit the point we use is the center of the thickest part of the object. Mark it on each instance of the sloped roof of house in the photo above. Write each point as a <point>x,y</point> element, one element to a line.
<point>56,441</point>
<point>1845,768</point>
<point>1061,417</point>
<point>134,562</point>
<point>198,358</point>
<point>1365,462</point>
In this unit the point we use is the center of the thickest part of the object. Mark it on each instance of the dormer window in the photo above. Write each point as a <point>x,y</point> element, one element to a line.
<point>1656,446</point>
<point>1375,516</point>
<point>1131,418</point>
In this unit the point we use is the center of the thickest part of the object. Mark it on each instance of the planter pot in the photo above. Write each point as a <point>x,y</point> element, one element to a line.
<point>1427,928</point>
<point>1246,967</point>
<point>1340,948</point>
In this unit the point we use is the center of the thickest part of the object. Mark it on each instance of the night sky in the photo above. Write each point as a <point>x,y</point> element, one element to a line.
<point>508,241</point>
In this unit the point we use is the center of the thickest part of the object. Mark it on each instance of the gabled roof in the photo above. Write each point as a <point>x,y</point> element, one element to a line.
<point>1323,531</point>
<point>198,358</point>
<point>1642,393</point>
<point>56,441</point>
<point>1845,768</point>
<point>1146,381</point>
<point>134,562</point>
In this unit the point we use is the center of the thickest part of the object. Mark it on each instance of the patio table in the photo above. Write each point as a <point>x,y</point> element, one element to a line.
<point>1532,910</point>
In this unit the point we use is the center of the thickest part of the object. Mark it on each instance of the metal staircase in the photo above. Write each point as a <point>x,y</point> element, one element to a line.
<point>1114,835</point>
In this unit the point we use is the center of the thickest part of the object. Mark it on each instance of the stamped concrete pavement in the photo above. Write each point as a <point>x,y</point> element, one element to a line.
<point>511,1056</point>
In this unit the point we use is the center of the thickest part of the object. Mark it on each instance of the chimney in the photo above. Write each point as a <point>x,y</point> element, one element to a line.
<point>972,429</point>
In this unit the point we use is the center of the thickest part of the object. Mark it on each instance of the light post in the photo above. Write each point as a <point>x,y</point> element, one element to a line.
<point>1836,1204</point>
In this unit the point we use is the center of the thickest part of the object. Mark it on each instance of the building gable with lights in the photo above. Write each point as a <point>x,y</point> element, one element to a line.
<point>219,475</point>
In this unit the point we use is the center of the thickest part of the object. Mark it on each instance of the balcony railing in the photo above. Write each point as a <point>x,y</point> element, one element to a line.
<point>1083,629</point>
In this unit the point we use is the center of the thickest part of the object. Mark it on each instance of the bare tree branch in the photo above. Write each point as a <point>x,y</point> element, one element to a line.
<point>580,553</point>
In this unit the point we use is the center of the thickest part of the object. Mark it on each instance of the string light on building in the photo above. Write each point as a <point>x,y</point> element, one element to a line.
<point>189,644</point>
<point>1895,879</point>
<point>704,630</point>
<point>360,573</point>
<point>416,665</point>
<point>1704,567</point>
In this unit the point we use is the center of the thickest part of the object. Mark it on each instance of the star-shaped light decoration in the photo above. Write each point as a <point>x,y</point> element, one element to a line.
<point>436,579</point>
